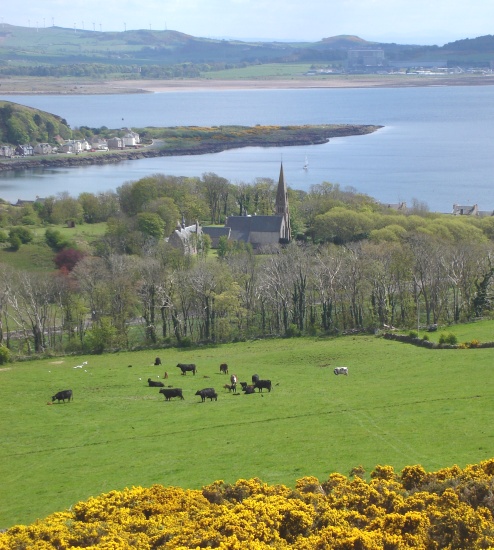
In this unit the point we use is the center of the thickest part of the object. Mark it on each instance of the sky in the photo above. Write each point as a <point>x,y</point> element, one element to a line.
<point>426,22</point>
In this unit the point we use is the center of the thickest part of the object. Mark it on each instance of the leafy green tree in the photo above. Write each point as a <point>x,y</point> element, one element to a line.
<point>342,225</point>
<point>135,196</point>
<point>150,224</point>
<point>102,335</point>
<point>66,208</point>
<point>167,210</point>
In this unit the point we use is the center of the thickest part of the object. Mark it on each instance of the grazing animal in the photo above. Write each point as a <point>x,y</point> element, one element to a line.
<point>230,387</point>
<point>224,368</point>
<point>154,384</point>
<point>260,384</point>
<point>207,392</point>
<point>171,392</point>
<point>157,361</point>
<point>249,389</point>
<point>233,382</point>
<point>341,370</point>
<point>187,368</point>
<point>62,396</point>
<point>166,375</point>
<point>255,378</point>
<point>244,385</point>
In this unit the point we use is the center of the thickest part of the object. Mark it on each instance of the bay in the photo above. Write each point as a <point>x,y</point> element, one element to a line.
<point>435,147</point>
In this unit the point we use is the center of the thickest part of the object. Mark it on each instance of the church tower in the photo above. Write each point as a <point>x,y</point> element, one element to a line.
<point>281,207</point>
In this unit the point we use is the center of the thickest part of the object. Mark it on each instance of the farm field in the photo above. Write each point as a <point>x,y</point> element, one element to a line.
<point>400,405</point>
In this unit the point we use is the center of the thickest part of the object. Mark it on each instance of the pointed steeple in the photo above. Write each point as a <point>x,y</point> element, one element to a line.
<point>281,206</point>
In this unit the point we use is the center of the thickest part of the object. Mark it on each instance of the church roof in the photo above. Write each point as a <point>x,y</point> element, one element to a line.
<point>242,226</point>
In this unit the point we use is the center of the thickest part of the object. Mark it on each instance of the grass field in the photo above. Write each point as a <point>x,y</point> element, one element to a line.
<point>399,405</point>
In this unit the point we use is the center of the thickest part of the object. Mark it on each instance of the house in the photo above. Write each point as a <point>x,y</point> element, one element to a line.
<point>459,210</point>
<point>186,238</point>
<point>24,150</point>
<point>7,151</point>
<point>115,143</point>
<point>131,139</point>
<point>42,149</point>
<point>260,231</point>
<point>99,144</point>
<point>75,146</point>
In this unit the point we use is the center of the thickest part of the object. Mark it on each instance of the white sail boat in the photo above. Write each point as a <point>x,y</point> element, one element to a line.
<point>306,163</point>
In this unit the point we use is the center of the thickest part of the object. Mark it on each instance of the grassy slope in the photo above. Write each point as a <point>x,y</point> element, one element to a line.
<point>399,405</point>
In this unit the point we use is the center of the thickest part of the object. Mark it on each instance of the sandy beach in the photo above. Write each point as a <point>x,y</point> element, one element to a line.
<point>31,86</point>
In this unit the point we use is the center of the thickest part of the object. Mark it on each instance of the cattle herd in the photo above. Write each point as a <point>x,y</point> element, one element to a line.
<point>206,393</point>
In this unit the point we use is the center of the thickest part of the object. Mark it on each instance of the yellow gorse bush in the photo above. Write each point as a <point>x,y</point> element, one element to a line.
<point>451,508</point>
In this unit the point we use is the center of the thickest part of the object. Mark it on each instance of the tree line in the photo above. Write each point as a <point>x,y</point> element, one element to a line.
<point>353,265</point>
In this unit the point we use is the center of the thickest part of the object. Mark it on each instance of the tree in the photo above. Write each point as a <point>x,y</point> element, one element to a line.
<point>66,208</point>
<point>216,191</point>
<point>150,224</point>
<point>67,259</point>
<point>136,195</point>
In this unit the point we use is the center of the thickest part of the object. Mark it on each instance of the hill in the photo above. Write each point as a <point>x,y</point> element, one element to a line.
<point>20,124</point>
<point>56,51</point>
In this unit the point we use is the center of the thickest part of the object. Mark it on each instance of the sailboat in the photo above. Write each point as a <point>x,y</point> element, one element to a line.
<point>306,164</point>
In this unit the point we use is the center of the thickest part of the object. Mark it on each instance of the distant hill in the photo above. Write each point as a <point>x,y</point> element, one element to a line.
<point>56,51</point>
<point>21,125</point>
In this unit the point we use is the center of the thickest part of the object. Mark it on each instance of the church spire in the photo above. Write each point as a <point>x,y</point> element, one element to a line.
<point>281,205</point>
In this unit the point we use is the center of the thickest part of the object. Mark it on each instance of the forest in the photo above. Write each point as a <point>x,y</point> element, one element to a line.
<point>353,265</point>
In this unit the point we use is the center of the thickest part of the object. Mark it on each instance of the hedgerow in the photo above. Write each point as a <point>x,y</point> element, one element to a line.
<point>451,508</point>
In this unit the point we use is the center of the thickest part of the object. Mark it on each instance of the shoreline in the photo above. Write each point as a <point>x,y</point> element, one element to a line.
<point>51,86</point>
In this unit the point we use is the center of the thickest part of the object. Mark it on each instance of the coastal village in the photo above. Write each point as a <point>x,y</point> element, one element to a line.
<point>72,146</point>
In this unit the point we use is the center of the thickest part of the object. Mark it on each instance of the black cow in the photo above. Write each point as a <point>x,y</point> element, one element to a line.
<point>255,378</point>
<point>224,368</point>
<point>62,396</point>
<point>187,368</point>
<point>154,384</point>
<point>260,384</point>
<point>244,385</point>
<point>171,392</point>
<point>207,392</point>
<point>157,361</point>
<point>249,389</point>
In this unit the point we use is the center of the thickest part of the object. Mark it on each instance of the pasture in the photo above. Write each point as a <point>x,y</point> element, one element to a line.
<point>399,405</point>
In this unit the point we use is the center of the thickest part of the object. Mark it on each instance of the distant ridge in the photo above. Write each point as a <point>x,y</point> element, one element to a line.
<point>25,48</point>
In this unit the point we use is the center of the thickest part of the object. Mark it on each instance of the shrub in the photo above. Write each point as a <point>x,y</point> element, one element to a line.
<point>55,240</point>
<point>4,355</point>
<point>3,237</point>
<point>448,338</point>
<point>67,258</point>
<point>24,234</point>
<point>292,331</point>
<point>15,243</point>
<point>474,344</point>
<point>185,342</point>
<point>413,334</point>
<point>425,337</point>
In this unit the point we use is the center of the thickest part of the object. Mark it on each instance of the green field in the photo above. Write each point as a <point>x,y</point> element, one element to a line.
<point>400,405</point>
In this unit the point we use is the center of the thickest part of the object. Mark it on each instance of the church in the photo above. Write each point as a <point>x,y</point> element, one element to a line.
<point>258,231</point>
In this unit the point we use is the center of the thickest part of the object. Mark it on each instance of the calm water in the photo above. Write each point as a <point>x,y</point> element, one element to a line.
<point>436,145</point>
